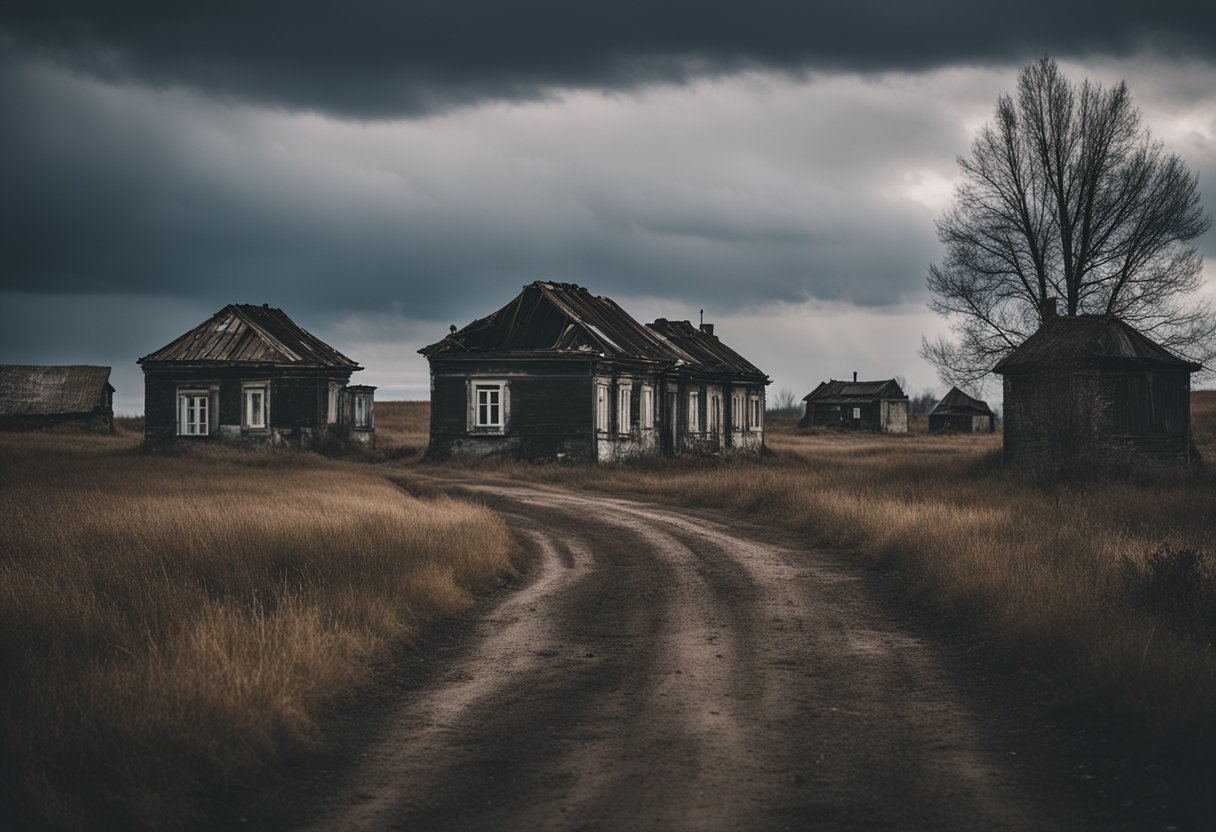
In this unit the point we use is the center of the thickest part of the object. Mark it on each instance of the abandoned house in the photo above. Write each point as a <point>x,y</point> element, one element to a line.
<point>35,396</point>
<point>1091,388</point>
<point>560,373</point>
<point>250,373</point>
<point>859,405</point>
<point>960,413</point>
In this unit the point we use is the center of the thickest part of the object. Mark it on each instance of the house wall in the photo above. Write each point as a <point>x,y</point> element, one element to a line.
<point>960,423</point>
<point>550,409</point>
<point>1052,418</point>
<point>894,415</point>
<point>296,402</point>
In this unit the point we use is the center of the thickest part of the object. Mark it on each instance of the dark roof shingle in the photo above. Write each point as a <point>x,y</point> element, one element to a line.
<point>850,392</point>
<point>1069,340</point>
<point>705,350</point>
<point>956,402</point>
<point>248,334</point>
<point>38,390</point>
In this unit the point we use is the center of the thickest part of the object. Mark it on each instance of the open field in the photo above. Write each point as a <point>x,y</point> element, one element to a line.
<point>1107,589</point>
<point>171,622</point>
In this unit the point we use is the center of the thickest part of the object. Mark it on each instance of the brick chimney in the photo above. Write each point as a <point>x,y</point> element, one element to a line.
<point>708,329</point>
<point>854,376</point>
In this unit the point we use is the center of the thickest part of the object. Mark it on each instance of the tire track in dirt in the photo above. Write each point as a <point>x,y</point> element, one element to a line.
<point>665,672</point>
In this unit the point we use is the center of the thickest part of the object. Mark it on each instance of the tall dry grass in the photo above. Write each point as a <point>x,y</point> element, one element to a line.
<point>1079,582</point>
<point>168,623</point>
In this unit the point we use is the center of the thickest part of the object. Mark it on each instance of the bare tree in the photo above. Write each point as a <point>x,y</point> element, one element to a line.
<point>1065,194</point>
<point>786,401</point>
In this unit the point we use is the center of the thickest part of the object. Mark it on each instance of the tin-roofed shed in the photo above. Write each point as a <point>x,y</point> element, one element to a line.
<point>37,396</point>
<point>1093,388</point>
<point>251,373</point>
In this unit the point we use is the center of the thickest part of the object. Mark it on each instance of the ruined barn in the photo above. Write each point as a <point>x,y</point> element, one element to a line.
<point>251,374</point>
<point>39,396</point>
<point>560,373</point>
<point>857,405</point>
<point>1093,389</point>
<point>960,413</point>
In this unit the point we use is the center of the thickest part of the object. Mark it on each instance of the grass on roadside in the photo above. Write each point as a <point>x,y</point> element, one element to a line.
<point>171,622</point>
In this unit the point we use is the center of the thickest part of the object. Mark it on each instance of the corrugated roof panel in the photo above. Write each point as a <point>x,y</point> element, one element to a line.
<point>40,390</point>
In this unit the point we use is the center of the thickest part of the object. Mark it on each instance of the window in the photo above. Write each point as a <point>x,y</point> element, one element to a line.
<point>602,412</point>
<point>254,416</point>
<point>757,414</point>
<point>715,414</point>
<point>331,413</point>
<point>363,411</point>
<point>647,408</point>
<point>624,408</point>
<point>737,415</point>
<point>694,411</point>
<point>857,413</point>
<point>192,413</point>
<point>489,406</point>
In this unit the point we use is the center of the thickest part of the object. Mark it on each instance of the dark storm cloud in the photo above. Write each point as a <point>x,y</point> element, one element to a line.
<point>377,59</point>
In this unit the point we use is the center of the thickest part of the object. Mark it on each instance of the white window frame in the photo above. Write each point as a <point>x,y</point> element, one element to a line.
<point>857,413</point>
<point>482,410</point>
<point>694,411</point>
<point>646,408</point>
<point>757,421</point>
<point>624,408</point>
<point>603,408</point>
<point>369,422</point>
<point>738,416</point>
<point>247,391</point>
<point>332,416</point>
<point>198,427</point>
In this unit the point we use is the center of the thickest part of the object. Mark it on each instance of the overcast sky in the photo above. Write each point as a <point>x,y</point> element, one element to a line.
<point>382,170</point>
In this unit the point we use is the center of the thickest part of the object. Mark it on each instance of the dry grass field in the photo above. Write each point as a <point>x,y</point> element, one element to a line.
<point>170,622</point>
<point>1106,588</point>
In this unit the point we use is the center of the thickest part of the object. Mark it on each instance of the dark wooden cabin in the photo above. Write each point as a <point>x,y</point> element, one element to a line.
<point>560,373</point>
<point>1092,388</point>
<point>249,373</point>
<point>39,396</point>
<point>960,413</point>
<point>857,405</point>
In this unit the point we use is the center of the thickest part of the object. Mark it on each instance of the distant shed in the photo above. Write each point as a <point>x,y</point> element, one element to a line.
<point>859,405</point>
<point>1093,388</point>
<point>38,396</point>
<point>960,413</point>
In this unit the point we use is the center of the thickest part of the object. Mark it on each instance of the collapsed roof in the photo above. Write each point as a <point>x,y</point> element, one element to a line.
<point>564,318</point>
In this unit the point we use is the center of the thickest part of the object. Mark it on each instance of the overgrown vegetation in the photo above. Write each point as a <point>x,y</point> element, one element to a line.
<point>1105,587</point>
<point>170,622</point>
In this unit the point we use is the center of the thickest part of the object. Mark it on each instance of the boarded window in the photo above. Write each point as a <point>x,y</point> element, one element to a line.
<point>624,408</point>
<point>694,411</point>
<point>602,411</point>
<point>647,408</point>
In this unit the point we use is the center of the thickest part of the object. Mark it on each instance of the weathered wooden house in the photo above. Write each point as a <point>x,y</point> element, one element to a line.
<point>560,373</point>
<point>858,405</point>
<point>960,413</point>
<point>1092,388</point>
<point>37,396</point>
<point>250,373</point>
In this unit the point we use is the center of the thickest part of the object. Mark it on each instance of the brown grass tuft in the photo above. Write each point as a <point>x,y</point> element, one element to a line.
<point>168,622</point>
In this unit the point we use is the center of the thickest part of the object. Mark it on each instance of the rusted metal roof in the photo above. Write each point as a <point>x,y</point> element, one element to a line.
<point>854,392</point>
<point>706,351</point>
<point>559,318</point>
<point>247,334</point>
<point>1068,340</point>
<point>957,403</point>
<point>37,390</point>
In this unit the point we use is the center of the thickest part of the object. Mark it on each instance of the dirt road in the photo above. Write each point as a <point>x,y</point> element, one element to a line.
<point>661,672</point>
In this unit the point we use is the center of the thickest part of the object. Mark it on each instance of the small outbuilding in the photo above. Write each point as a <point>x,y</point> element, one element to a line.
<point>250,373</point>
<point>857,405</point>
<point>960,413</point>
<point>560,373</point>
<point>39,396</point>
<point>1093,389</point>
